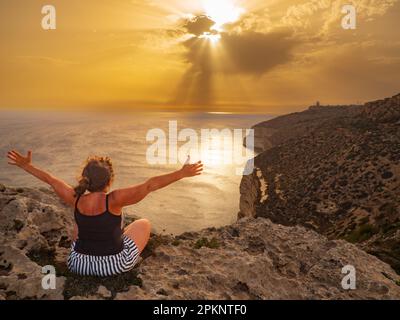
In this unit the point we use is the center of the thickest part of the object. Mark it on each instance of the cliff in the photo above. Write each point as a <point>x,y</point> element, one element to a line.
<point>335,170</point>
<point>251,259</point>
<point>284,128</point>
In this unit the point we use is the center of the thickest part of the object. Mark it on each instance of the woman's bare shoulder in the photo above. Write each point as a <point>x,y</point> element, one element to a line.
<point>113,207</point>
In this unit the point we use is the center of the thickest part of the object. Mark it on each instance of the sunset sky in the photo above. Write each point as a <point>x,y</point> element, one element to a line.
<point>270,56</point>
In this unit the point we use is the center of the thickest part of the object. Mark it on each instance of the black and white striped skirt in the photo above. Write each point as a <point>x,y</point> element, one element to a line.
<point>104,266</point>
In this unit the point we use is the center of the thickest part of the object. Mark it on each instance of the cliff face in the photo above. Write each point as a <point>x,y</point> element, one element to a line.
<point>251,259</point>
<point>337,172</point>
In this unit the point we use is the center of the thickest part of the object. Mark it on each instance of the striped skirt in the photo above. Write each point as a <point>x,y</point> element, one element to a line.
<point>104,266</point>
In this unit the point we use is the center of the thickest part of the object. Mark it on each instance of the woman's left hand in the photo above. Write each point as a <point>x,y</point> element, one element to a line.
<point>191,170</point>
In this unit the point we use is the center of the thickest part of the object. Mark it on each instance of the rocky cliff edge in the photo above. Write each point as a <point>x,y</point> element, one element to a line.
<point>251,259</point>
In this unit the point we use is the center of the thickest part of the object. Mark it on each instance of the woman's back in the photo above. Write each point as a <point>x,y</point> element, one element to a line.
<point>99,230</point>
<point>102,248</point>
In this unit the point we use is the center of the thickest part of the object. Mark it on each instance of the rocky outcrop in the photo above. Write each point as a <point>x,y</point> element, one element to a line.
<point>35,231</point>
<point>256,259</point>
<point>278,130</point>
<point>251,259</point>
<point>386,110</point>
<point>250,194</point>
<point>339,176</point>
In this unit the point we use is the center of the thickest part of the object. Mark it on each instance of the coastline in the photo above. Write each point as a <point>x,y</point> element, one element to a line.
<point>334,170</point>
<point>294,234</point>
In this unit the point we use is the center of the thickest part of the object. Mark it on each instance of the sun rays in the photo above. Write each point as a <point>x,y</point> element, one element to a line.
<point>212,37</point>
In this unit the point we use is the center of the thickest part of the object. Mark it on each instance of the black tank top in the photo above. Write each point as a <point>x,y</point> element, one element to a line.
<point>99,235</point>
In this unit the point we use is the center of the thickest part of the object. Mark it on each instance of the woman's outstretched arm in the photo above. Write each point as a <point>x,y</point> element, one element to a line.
<point>128,196</point>
<point>63,190</point>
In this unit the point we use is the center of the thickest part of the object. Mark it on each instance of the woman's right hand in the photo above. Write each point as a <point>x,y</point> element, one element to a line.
<point>191,170</point>
<point>17,159</point>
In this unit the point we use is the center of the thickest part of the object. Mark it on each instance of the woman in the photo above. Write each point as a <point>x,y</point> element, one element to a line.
<point>101,247</point>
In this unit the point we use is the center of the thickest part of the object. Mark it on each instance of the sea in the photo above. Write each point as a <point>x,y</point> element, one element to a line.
<point>61,141</point>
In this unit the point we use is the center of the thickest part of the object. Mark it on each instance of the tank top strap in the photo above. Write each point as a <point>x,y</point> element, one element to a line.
<point>76,202</point>
<point>107,203</point>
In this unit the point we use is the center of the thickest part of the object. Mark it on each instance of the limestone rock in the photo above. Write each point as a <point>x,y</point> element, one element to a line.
<point>251,259</point>
<point>33,225</point>
<point>257,259</point>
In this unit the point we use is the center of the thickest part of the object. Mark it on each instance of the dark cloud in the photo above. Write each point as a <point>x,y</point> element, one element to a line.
<point>198,25</point>
<point>247,52</point>
<point>256,53</point>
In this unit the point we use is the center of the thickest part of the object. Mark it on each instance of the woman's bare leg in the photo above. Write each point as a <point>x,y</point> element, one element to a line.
<point>139,232</point>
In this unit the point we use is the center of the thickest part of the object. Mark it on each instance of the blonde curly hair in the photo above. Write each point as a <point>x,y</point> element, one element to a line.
<point>97,175</point>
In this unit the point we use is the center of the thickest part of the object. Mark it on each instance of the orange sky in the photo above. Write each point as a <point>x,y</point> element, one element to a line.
<point>268,56</point>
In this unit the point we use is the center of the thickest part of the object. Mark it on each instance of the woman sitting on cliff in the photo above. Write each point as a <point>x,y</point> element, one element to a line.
<point>101,247</point>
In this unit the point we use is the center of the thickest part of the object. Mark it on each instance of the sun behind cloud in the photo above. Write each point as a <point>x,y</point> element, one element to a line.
<point>215,15</point>
<point>222,12</point>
